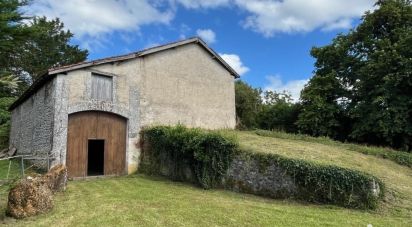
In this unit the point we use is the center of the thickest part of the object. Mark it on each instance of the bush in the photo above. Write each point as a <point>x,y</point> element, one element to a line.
<point>5,102</point>
<point>279,116</point>
<point>207,154</point>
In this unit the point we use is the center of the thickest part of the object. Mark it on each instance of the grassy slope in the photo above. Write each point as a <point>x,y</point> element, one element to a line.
<point>400,157</point>
<point>140,200</point>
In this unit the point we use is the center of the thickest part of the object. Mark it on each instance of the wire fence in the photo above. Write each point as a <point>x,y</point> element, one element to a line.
<point>16,167</point>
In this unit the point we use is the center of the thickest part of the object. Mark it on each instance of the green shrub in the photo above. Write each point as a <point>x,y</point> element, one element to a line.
<point>400,157</point>
<point>207,154</point>
<point>5,102</point>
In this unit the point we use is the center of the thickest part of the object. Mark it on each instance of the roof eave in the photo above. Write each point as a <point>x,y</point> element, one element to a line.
<point>147,52</point>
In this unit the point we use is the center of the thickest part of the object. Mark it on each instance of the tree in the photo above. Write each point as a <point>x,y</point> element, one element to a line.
<point>29,46</point>
<point>278,112</point>
<point>5,102</point>
<point>48,47</point>
<point>321,111</point>
<point>248,104</point>
<point>273,97</point>
<point>12,36</point>
<point>12,32</point>
<point>383,84</point>
<point>368,77</point>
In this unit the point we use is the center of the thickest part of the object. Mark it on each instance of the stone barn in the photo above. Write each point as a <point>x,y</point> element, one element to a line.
<point>88,115</point>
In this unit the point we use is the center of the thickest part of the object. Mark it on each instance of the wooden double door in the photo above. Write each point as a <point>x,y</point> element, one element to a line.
<point>96,144</point>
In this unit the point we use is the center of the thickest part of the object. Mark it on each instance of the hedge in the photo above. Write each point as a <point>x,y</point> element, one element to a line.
<point>206,153</point>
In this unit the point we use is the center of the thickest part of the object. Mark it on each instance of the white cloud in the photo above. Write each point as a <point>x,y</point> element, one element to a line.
<point>207,35</point>
<point>294,87</point>
<point>289,16</point>
<point>269,16</point>
<point>88,18</point>
<point>234,61</point>
<point>343,23</point>
<point>195,4</point>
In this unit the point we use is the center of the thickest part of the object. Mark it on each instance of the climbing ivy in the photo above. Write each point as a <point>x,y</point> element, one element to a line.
<point>326,184</point>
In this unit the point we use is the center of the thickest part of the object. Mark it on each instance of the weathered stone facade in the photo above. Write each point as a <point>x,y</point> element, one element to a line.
<point>32,122</point>
<point>178,85</point>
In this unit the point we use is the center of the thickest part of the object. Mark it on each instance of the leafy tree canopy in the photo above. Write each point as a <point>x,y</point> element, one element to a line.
<point>365,76</point>
<point>248,104</point>
<point>31,45</point>
<point>28,47</point>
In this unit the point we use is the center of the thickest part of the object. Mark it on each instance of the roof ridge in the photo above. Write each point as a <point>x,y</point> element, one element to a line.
<point>131,54</point>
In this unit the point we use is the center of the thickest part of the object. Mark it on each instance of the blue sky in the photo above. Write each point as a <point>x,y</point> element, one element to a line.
<point>267,41</point>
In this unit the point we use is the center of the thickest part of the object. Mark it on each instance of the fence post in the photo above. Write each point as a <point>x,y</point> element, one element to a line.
<point>22,167</point>
<point>8,171</point>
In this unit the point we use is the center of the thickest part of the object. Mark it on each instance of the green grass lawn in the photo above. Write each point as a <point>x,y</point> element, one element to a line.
<point>7,177</point>
<point>142,200</point>
<point>147,201</point>
<point>15,170</point>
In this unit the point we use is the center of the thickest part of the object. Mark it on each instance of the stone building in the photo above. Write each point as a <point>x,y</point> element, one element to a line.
<point>88,115</point>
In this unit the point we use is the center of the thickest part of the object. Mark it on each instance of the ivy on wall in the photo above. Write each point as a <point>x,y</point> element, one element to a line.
<point>326,184</point>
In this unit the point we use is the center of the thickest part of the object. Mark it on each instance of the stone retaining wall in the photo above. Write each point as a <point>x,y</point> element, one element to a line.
<point>249,176</point>
<point>250,173</point>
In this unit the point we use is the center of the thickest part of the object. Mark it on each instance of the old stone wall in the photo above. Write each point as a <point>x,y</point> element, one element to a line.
<point>247,175</point>
<point>265,176</point>
<point>32,123</point>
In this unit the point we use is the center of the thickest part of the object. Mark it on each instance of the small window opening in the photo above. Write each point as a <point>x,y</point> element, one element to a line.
<point>102,87</point>
<point>95,157</point>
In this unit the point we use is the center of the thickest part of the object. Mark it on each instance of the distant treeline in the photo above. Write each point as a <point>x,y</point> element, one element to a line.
<point>361,90</point>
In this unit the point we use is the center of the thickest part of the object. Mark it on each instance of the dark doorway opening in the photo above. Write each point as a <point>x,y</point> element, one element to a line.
<point>95,158</point>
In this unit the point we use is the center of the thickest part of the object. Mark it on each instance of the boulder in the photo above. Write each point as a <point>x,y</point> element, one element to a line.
<point>33,196</point>
<point>56,178</point>
<point>29,197</point>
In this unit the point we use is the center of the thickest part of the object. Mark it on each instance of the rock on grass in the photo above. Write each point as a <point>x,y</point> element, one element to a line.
<point>29,197</point>
<point>35,196</point>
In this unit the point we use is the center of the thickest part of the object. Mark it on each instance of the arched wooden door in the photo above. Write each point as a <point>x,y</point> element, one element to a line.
<point>84,129</point>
